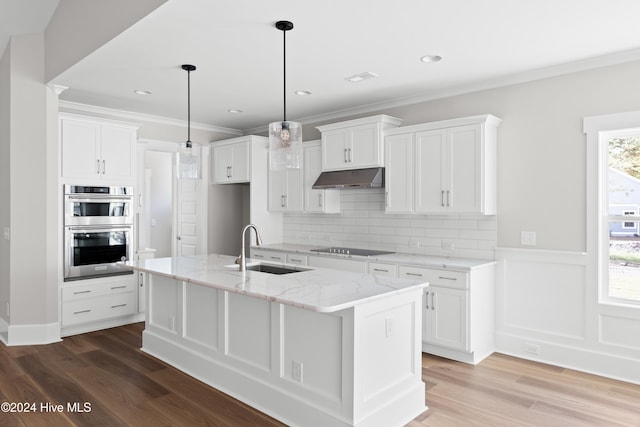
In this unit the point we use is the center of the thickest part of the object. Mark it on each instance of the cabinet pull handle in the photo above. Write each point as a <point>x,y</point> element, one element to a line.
<point>118,287</point>
<point>350,155</point>
<point>277,258</point>
<point>447,278</point>
<point>81,292</point>
<point>82,312</point>
<point>426,300</point>
<point>381,269</point>
<point>414,274</point>
<point>295,260</point>
<point>257,256</point>
<point>345,156</point>
<point>104,167</point>
<point>442,198</point>
<point>433,300</point>
<point>97,166</point>
<point>228,171</point>
<point>119,305</point>
<point>282,201</point>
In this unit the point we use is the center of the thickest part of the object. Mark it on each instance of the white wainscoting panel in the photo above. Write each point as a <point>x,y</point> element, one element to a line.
<point>614,331</point>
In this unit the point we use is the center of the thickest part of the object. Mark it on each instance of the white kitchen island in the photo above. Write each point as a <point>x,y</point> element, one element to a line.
<point>318,347</point>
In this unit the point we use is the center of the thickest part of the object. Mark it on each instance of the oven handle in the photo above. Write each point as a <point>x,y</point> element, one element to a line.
<point>101,228</point>
<point>91,199</point>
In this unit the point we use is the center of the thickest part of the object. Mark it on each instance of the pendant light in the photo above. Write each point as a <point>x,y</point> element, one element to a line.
<point>285,137</point>
<point>188,155</point>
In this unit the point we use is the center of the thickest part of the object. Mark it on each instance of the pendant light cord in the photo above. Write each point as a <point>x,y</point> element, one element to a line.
<point>188,108</point>
<point>284,91</point>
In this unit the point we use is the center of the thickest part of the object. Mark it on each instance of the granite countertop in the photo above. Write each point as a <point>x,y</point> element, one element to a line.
<point>433,261</point>
<point>317,289</point>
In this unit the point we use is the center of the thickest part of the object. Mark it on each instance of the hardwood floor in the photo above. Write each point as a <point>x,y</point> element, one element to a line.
<point>125,387</point>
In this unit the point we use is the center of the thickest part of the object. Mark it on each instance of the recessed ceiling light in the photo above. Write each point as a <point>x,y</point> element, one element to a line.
<point>142,92</point>
<point>431,58</point>
<point>303,92</point>
<point>234,111</point>
<point>360,77</point>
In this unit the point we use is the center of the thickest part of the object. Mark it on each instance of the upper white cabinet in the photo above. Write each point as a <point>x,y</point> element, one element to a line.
<point>94,149</point>
<point>231,161</point>
<point>355,144</point>
<point>325,201</point>
<point>442,167</point>
<point>285,190</point>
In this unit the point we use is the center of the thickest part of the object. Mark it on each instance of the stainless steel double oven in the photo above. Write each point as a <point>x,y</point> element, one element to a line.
<point>98,230</point>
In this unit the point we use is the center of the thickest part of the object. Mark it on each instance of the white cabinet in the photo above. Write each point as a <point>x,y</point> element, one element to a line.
<point>267,255</point>
<point>457,311</point>
<point>442,167</point>
<point>95,149</point>
<point>231,161</point>
<point>94,304</point>
<point>355,144</point>
<point>325,201</point>
<point>285,190</point>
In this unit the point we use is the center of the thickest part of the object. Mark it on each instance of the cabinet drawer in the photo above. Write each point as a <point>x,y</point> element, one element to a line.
<point>263,255</point>
<point>444,278</point>
<point>296,259</point>
<point>93,309</point>
<point>79,292</point>
<point>382,269</point>
<point>338,264</point>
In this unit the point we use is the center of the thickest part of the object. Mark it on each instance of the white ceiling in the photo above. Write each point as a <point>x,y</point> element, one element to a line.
<point>238,54</point>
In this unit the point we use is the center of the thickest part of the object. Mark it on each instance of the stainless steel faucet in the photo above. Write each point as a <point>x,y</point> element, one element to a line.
<point>242,259</point>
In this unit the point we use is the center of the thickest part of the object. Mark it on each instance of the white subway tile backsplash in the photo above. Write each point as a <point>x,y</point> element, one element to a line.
<point>364,224</point>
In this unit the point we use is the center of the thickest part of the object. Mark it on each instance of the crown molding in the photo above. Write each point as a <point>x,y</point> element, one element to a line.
<point>147,118</point>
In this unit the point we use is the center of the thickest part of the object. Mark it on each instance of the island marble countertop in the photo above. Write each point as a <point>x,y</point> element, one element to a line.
<point>417,260</point>
<point>317,289</point>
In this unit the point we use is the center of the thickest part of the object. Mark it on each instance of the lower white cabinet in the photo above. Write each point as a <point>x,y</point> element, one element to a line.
<point>94,304</point>
<point>457,320</point>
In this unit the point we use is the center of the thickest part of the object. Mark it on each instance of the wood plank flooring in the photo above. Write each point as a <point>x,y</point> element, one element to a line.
<point>125,387</point>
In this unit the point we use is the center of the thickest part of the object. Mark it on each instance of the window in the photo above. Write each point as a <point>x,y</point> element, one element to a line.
<point>620,254</point>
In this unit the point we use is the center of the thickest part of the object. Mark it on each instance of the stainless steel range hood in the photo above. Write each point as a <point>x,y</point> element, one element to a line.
<point>355,178</point>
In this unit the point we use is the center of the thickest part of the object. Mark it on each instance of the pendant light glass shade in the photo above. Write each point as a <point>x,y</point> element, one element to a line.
<point>285,145</point>
<point>285,137</point>
<point>188,156</point>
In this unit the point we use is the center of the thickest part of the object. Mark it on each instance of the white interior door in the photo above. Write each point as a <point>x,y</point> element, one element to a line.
<point>188,241</point>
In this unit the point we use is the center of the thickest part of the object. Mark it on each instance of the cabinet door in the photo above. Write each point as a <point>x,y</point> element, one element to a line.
<point>464,160</point>
<point>365,149</point>
<point>313,199</point>
<point>80,145</point>
<point>277,190</point>
<point>430,171</point>
<point>240,162</point>
<point>399,173</point>
<point>117,150</point>
<point>294,190</point>
<point>334,149</point>
<point>445,317</point>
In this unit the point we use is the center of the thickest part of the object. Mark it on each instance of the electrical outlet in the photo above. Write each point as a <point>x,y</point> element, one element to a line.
<point>532,348</point>
<point>8,310</point>
<point>528,238</point>
<point>414,243</point>
<point>447,246</point>
<point>296,370</point>
<point>7,233</point>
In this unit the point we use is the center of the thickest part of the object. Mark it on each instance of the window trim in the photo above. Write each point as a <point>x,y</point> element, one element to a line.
<point>598,131</point>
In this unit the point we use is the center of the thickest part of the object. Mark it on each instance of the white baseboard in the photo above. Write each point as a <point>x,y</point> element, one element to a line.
<point>580,359</point>
<point>31,334</point>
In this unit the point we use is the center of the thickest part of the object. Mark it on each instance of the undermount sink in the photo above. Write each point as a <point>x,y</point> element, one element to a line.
<point>274,269</point>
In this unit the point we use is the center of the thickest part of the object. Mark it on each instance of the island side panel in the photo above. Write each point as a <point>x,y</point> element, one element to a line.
<point>302,367</point>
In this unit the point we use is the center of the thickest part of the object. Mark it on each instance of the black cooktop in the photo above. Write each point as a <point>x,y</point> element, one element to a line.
<point>351,251</point>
